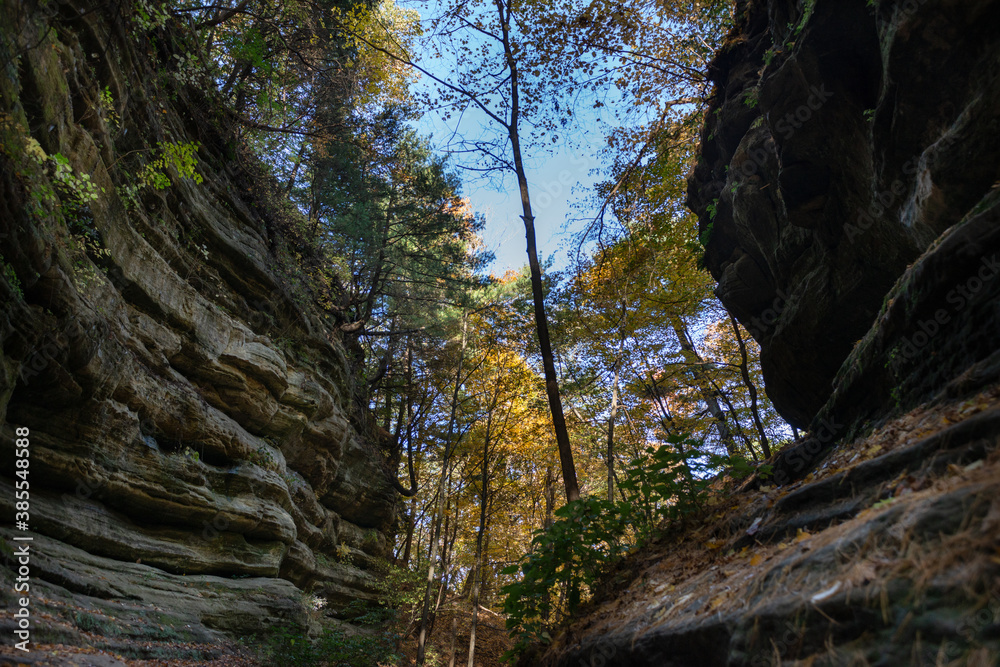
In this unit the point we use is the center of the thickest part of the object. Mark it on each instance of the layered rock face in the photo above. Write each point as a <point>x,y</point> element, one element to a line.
<point>187,411</point>
<point>844,139</point>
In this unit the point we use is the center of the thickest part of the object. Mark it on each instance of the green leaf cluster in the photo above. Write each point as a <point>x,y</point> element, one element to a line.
<point>178,156</point>
<point>587,534</point>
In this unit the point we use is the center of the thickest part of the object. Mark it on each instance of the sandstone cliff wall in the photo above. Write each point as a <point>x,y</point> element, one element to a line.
<point>188,413</point>
<point>846,141</point>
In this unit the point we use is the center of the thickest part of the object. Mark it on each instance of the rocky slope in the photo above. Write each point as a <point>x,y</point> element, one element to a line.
<point>847,189</point>
<point>188,415</point>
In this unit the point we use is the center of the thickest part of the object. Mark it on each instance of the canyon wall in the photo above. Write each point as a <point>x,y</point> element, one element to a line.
<point>845,140</point>
<point>195,440</point>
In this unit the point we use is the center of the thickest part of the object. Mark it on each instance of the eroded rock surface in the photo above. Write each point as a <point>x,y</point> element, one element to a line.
<point>845,137</point>
<point>186,411</point>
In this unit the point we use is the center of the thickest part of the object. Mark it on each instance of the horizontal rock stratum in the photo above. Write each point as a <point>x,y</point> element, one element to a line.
<point>193,428</point>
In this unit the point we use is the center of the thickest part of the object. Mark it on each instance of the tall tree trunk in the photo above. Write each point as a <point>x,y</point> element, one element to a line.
<point>406,413</point>
<point>478,567</point>
<point>411,526</point>
<point>614,402</point>
<point>434,538</point>
<point>447,569</point>
<point>745,372</point>
<point>653,386</point>
<point>420,540</point>
<point>484,589</point>
<point>737,424</point>
<point>537,293</point>
<point>611,434</point>
<point>445,558</point>
<point>708,393</point>
<point>295,169</point>
<point>448,537</point>
<point>550,497</point>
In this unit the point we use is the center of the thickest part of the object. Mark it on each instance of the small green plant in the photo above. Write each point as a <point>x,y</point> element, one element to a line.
<point>750,97</point>
<point>129,194</point>
<point>343,553</point>
<point>79,187</point>
<point>569,556</point>
<point>398,587</point>
<point>95,624</point>
<point>191,454</point>
<point>73,192</point>
<point>290,645</point>
<point>11,277</point>
<point>262,457</point>
<point>174,155</point>
<point>712,209</point>
<point>706,236</point>
<point>884,503</point>
<point>670,481</point>
<point>189,69</point>
<point>151,15</point>
<point>741,469</point>
<point>106,103</point>
<point>869,115</point>
<point>808,6</point>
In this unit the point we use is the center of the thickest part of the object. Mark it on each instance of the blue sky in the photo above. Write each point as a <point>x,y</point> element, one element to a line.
<point>557,178</point>
<point>559,174</point>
